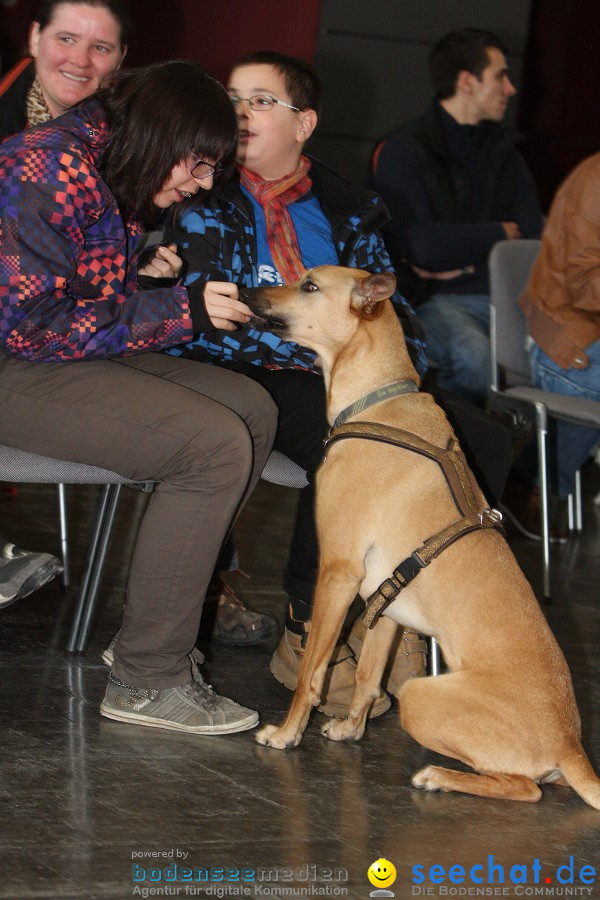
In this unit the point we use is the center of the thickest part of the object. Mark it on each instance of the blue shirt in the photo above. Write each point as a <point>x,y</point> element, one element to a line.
<point>313,232</point>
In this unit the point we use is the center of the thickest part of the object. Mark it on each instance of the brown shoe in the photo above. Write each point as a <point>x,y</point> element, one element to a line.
<point>521,505</point>
<point>339,681</point>
<point>407,659</point>
<point>234,624</point>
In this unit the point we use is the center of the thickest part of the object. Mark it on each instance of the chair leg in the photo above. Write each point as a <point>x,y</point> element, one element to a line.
<point>434,657</point>
<point>571,511</point>
<point>574,505</point>
<point>542,434</point>
<point>82,620</point>
<point>578,504</point>
<point>64,534</point>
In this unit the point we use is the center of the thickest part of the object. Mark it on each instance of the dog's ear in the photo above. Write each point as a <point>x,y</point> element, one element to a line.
<point>368,293</point>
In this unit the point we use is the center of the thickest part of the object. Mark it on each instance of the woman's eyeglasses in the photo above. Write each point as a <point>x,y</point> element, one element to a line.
<point>202,169</point>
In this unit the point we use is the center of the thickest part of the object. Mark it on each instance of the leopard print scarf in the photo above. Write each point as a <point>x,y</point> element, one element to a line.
<point>36,107</point>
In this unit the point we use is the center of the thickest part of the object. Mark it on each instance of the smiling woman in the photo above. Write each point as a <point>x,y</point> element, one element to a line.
<point>73,46</point>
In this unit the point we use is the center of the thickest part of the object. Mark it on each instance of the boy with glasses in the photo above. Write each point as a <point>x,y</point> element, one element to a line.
<point>283,213</point>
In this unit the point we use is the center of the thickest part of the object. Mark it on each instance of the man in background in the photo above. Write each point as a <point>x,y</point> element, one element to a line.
<point>455,185</point>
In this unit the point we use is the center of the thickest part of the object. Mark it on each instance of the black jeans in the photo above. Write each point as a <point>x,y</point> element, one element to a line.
<point>300,399</point>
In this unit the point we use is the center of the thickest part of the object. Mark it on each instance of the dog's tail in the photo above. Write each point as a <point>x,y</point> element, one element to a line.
<point>578,771</point>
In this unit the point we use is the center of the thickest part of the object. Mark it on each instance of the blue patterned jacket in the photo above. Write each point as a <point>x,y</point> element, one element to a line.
<point>68,269</point>
<point>217,241</point>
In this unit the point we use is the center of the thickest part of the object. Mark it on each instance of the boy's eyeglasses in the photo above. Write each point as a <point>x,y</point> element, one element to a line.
<point>202,169</point>
<point>261,102</point>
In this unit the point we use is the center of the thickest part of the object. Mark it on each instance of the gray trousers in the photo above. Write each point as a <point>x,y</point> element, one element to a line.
<point>200,431</point>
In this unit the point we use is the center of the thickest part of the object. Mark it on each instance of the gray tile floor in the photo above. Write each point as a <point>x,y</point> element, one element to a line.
<point>85,800</point>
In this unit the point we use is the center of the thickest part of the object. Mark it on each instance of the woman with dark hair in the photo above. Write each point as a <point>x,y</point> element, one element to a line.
<point>78,376</point>
<point>73,45</point>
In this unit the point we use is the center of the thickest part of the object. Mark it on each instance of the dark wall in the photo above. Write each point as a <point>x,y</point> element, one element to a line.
<point>212,33</point>
<point>371,54</point>
<point>216,34</point>
<point>560,106</point>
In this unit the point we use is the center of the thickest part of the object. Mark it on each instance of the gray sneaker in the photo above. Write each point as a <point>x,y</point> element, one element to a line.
<point>193,707</point>
<point>22,572</point>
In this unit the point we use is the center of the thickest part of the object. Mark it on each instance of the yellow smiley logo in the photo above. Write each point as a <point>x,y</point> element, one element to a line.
<point>382,873</point>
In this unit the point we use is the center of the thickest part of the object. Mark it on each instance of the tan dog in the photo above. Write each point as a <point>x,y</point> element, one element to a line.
<point>506,708</point>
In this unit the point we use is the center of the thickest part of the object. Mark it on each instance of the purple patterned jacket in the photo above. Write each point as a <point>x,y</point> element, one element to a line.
<point>68,272</point>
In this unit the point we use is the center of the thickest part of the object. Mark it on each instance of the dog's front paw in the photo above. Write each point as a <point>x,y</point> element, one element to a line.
<point>341,730</point>
<point>273,736</point>
<point>430,778</point>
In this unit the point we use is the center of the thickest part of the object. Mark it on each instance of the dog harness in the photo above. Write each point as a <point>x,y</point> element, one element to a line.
<point>461,483</point>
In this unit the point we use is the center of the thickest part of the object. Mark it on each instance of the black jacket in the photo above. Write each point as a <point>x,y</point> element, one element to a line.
<point>447,211</point>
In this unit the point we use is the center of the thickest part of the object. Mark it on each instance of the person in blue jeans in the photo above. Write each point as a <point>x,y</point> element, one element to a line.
<point>571,445</point>
<point>455,185</point>
<point>562,305</point>
<point>282,213</point>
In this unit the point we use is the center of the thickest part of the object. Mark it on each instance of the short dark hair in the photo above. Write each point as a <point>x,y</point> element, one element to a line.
<point>464,50</point>
<point>157,116</point>
<point>301,80</point>
<point>117,8</point>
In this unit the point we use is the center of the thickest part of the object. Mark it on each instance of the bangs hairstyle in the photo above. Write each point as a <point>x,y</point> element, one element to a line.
<point>301,80</point>
<point>117,8</point>
<point>460,51</point>
<point>157,117</point>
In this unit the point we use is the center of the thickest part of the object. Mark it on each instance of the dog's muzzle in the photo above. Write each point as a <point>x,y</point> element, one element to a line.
<point>263,317</point>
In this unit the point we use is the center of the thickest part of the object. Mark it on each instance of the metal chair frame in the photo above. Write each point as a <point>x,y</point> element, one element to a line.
<point>518,404</point>
<point>21,467</point>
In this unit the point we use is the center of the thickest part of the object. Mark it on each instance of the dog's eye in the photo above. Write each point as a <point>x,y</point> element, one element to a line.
<point>308,287</point>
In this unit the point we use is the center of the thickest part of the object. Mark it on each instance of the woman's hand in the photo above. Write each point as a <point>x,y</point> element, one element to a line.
<point>164,264</point>
<point>224,308</point>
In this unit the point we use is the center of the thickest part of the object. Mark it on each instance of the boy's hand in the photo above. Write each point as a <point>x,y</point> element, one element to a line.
<point>223,306</point>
